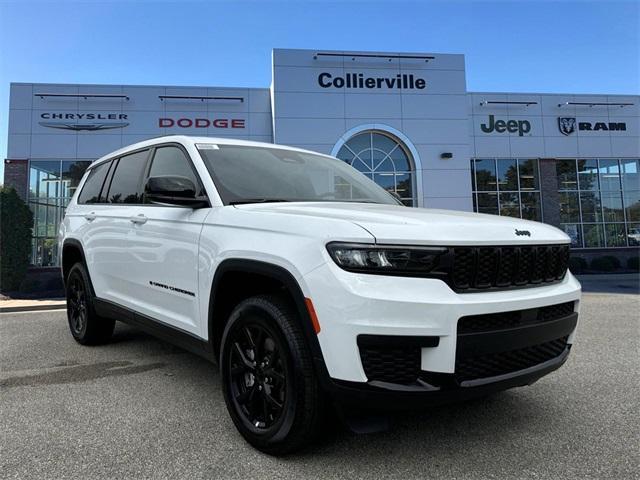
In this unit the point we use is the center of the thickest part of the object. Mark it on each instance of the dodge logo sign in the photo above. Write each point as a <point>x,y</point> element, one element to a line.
<point>567,125</point>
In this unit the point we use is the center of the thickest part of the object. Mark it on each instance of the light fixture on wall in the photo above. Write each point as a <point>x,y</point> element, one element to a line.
<point>446,155</point>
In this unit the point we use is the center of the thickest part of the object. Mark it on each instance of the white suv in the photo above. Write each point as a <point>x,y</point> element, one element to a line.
<point>309,284</point>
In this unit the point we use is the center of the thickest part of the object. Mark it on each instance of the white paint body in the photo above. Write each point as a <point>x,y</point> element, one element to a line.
<point>183,247</point>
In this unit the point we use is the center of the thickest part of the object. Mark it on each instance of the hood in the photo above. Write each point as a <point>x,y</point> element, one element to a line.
<point>395,224</point>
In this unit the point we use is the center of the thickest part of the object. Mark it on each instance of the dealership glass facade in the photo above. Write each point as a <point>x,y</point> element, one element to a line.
<point>51,186</point>
<point>600,201</point>
<point>383,159</point>
<point>507,186</point>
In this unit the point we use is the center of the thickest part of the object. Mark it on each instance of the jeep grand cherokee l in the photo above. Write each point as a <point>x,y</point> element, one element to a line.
<point>306,281</point>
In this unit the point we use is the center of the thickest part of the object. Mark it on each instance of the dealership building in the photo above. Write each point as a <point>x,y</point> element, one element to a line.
<point>405,120</point>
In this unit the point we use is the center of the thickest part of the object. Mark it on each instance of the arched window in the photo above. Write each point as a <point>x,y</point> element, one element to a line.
<point>384,159</point>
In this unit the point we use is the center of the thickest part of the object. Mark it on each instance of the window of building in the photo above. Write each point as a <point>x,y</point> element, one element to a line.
<point>384,159</point>
<point>600,201</point>
<point>507,186</point>
<point>52,183</point>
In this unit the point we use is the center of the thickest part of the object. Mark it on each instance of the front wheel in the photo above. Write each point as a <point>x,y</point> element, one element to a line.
<point>269,384</point>
<point>86,326</point>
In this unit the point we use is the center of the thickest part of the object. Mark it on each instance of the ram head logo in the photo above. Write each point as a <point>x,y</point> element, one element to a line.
<point>567,125</point>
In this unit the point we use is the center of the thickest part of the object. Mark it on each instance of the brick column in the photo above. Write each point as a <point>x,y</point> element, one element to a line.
<point>549,191</point>
<point>16,175</point>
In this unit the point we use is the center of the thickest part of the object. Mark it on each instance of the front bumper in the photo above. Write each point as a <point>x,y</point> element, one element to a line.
<point>351,307</point>
<point>372,396</point>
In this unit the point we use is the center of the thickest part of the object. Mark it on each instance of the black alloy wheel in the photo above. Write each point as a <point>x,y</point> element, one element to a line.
<point>268,379</point>
<point>258,375</point>
<point>77,308</point>
<point>86,326</point>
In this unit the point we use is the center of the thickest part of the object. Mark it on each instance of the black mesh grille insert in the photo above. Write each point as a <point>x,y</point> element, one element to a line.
<point>507,267</point>
<point>394,365</point>
<point>504,320</point>
<point>494,364</point>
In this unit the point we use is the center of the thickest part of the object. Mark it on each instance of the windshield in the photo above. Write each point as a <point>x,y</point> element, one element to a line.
<point>245,174</point>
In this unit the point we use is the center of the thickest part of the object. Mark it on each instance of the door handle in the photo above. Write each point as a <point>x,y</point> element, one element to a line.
<point>90,217</point>
<point>139,219</point>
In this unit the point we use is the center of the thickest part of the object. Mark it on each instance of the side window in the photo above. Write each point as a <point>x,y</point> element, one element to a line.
<point>125,184</point>
<point>173,161</point>
<point>91,190</point>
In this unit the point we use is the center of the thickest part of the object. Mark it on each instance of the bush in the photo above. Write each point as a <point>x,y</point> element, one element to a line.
<point>577,264</point>
<point>633,263</point>
<point>16,223</point>
<point>608,263</point>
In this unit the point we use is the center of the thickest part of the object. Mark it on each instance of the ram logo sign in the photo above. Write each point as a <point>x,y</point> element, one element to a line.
<point>567,125</point>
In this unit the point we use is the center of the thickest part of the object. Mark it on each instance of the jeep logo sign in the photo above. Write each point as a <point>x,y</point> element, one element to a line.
<point>501,126</point>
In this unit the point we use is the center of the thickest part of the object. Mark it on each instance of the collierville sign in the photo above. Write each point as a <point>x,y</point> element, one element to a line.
<point>402,81</point>
<point>567,125</point>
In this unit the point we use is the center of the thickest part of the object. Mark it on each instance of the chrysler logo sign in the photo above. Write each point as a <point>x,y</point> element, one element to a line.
<point>83,121</point>
<point>567,125</point>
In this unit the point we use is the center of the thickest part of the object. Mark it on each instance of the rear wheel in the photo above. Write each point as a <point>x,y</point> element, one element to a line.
<point>86,326</point>
<point>269,384</point>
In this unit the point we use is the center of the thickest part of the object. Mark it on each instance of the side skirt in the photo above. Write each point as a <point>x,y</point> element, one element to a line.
<point>168,333</point>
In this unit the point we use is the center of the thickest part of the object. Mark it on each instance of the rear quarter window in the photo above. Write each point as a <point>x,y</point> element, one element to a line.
<point>126,183</point>
<point>92,187</point>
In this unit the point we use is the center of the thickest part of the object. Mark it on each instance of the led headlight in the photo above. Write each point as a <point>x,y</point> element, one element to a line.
<point>390,260</point>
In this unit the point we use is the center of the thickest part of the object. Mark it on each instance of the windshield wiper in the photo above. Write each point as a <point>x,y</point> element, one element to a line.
<point>257,200</point>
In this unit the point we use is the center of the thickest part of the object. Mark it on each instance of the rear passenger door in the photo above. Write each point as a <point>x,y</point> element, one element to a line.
<point>163,248</point>
<point>110,248</point>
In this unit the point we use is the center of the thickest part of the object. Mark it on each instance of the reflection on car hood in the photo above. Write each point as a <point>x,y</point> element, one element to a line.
<point>395,224</point>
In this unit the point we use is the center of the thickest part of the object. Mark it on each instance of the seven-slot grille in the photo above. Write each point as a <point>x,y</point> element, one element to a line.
<point>477,268</point>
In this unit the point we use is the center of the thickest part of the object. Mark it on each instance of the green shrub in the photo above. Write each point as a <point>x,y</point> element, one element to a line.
<point>608,263</point>
<point>633,263</point>
<point>16,223</point>
<point>577,264</point>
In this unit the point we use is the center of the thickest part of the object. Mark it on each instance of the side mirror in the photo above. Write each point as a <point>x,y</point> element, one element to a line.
<point>173,190</point>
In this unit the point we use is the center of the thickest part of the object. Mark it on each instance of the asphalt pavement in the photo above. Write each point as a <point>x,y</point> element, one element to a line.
<point>140,408</point>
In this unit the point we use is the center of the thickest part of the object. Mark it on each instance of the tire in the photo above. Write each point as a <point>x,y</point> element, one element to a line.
<point>87,328</point>
<point>268,380</point>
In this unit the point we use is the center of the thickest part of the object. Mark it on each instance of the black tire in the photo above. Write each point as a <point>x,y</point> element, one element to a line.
<point>265,362</point>
<point>86,326</point>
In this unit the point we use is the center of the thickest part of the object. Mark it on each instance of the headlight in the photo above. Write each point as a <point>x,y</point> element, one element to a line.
<point>389,260</point>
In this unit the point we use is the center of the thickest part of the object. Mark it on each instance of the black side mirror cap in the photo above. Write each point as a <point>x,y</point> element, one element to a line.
<point>174,190</point>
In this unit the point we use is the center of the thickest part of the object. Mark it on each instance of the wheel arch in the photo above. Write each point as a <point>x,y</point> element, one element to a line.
<point>72,253</point>
<point>274,276</point>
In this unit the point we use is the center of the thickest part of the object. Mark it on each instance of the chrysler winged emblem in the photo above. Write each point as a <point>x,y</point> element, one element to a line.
<point>567,125</point>
<point>83,126</point>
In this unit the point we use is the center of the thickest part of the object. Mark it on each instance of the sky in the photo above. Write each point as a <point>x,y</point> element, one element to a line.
<point>514,46</point>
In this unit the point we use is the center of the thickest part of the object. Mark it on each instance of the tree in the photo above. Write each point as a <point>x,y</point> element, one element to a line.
<point>16,224</point>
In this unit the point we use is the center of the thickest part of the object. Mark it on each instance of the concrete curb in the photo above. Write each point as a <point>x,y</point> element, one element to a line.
<point>34,308</point>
